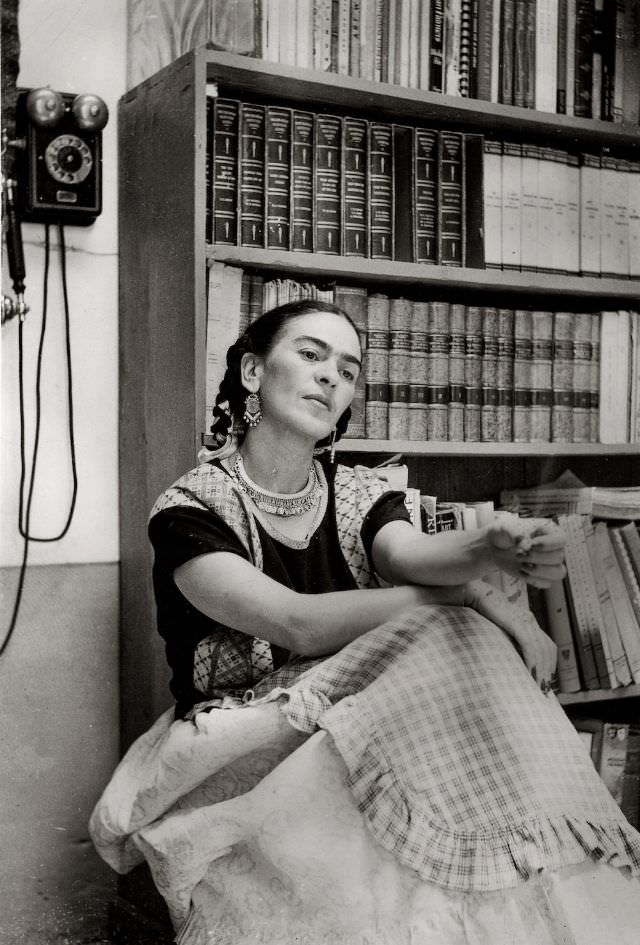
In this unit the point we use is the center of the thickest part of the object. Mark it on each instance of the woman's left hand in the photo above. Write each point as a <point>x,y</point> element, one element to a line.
<point>538,650</point>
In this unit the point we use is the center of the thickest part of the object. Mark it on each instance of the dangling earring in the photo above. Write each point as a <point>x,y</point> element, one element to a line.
<point>332,447</point>
<point>252,410</point>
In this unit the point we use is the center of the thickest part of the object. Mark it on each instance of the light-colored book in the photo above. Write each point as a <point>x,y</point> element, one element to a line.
<point>223,323</point>
<point>627,623</point>
<point>615,387</point>
<point>559,629</point>
<point>590,215</point>
<point>546,55</point>
<point>615,657</point>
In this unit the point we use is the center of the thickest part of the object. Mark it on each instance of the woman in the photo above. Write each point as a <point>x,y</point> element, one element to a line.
<point>392,766</point>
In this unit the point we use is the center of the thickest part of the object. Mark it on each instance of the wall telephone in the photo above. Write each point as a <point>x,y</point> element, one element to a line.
<point>59,157</point>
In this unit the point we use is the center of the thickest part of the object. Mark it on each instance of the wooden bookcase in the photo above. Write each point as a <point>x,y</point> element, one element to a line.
<point>163,261</point>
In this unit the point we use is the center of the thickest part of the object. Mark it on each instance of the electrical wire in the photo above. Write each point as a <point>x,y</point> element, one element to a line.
<point>24,510</point>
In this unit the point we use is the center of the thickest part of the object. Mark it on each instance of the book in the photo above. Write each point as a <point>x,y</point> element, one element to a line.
<point>405,193</point>
<point>224,179</point>
<point>487,11</point>
<point>558,626</point>
<point>613,756</point>
<point>594,379</point>
<point>630,803</point>
<point>541,376</point>
<point>380,191</point>
<point>590,215</point>
<point>450,215</point>
<point>425,195</point>
<point>492,204</point>
<point>326,180</point>
<point>321,32</point>
<point>522,355</point>
<point>631,538</point>
<point>582,582</point>
<point>302,125</point>
<point>473,374</point>
<point>590,731</point>
<point>547,167</point>
<point>562,378</point>
<point>437,46</point>
<point>561,59</point>
<point>418,367</point>
<point>634,215</point>
<point>507,27</point>
<point>424,44</point>
<point>354,187</point>
<point>519,53</point>
<point>251,189</point>
<point>573,222</point>
<point>511,196</point>
<point>473,225</point>
<point>559,190</point>
<point>581,398</point>
<point>304,50</point>
<point>631,64</point>
<point>354,301</point>
<point>489,368</point>
<point>614,376</point>
<point>613,647</point>
<point>234,27</point>
<point>504,375</point>
<point>627,624</point>
<point>529,208</point>
<point>224,293</point>
<point>399,355</point>
<point>355,42</point>
<point>583,70</point>
<point>580,595</point>
<point>626,569</point>
<point>609,245</point>
<point>278,176</point>
<point>455,412</point>
<point>546,55</point>
<point>466,81</point>
<point>256,296</point>
<point>377,367</point>
<point>438,371</point>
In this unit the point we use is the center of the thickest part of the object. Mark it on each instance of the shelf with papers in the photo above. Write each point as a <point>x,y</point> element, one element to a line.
<point>413,275</point>
<point>487,449</point>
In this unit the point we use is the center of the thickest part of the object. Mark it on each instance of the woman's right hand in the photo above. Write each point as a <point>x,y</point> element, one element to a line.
<point>532,548</point>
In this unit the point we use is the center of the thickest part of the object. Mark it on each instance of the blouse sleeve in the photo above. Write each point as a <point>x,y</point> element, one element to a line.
<point>179,534</point>
<point>390,507</point>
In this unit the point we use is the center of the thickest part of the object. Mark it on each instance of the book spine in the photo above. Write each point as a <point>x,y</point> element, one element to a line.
<point>630,77</point>
<point>590,215</point>
<point>492,203</point>
<point>594,380</point>
<point>583,58</point>
<point>466,43</point>
<point>631,538</point>
<point>322,35</point>
<point>613,755</point>
<point>522,355</point>
<point>302,124</point>
<point>377,368</point>
<point>473,206</point>
<point>354,187</point>
<point>404,206</point>
<point>380,191</point>
<point>541,377</point>
<point>438,373</point>
<point>630,803</point>
<point>343,37</point>
<point>437,48</point>
<point>573,214</point>
<point>355,38</point>
<point>559,629</point>
<point>224,198</point>
<point>504,375</point>
<point>529,208</point>
<point>578,577</point>
<point>625,617</point>
<point>256,295</point>
<point>562,378</point>
<point>473,374</point>
<point>489,409</point>
<point>581,399</point>
<point>530,54</point>
<point>626,569</point>
<point>511,204</point>
<point>507,29</point>
<point>455,412</point>
<point>425,199</point>
<point>450,201</point>
<point>486,13</point>
<point>278,177</point>
<point>571,57</point>
<point>546,55</point>
<point>546,195</point>
<point>327,137</point>
<point>399,363</point>
<point>561,59</point>
<point>245,295</point>
<point>424,44</point>
<point>418,368</point>
<point>519,53</point>
<point>251,184</point>
<point>354,301</point>
<point>560,189</point>
<point>634,212</point>
<point>303,42</point>
<point>597,55</point>
<point>615,658</point>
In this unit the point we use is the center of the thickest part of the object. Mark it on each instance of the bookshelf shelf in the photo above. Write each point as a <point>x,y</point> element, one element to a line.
<point>599,695</point>
<point>295,84</point>
<point>487,449</point>
<point>371,271</point>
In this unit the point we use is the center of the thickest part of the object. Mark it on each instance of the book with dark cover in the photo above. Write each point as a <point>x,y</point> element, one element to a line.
<point>437,46</point>
<point>489,410</point>
<point>251,184</point>
<point>455,412</point>
<point>466,47</point>
<point>208,171</point>
<point>425,177</point>
<point>530,54</point>
<point>278,176</point>
<point>302,124</point>
<point>404,203</point>
<point>520,64</point>
<point>487,10</point>
<point>354,187</point>
<point>585,21</point>
<point>450,201</point>
<point>380,191</point>
<point>224,197</point>
<point>541,376</point>
<point>473,216</point>
<point>561,62</point>
<point>327,216</point>
<point>472,373</point>
<point>438,371</point>
<point>507,31</point>
<point>504,375</point>
<point>377,367</point>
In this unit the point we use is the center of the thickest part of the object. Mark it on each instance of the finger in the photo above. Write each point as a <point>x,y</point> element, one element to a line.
<point>553,557</point>
<point>540,572</point>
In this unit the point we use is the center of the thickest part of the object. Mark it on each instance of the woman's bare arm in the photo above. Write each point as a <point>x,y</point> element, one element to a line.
<point>229,589</point>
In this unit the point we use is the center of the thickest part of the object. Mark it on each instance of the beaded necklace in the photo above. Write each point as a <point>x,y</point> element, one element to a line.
<point>275,503</point>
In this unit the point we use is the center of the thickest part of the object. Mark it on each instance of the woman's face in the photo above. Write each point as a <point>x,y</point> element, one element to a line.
<point>308,378</point>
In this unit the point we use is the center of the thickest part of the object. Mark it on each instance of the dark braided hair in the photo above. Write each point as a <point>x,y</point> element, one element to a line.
<point>259,338</point>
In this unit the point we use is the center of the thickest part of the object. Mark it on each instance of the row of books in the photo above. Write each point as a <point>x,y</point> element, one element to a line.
<point>436,371</point>
<point>614,748</point>
<point>282,178</point>
<point>574,57</point>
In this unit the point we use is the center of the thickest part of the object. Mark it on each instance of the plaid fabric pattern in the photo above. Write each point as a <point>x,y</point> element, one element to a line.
<point>462,767</point>
<point>228,663</point>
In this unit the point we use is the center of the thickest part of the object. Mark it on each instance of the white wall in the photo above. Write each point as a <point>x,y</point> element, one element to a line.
<point>72,46</point>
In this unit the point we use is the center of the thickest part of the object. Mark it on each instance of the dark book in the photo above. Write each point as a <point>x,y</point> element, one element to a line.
<point>437,47</point>
<point>613,38</point>
<point>450,202</point>
<point>208,171</point>
<point>380,191</point>
<point>473,207</point>
<point>473,374</point>
<point>473,67</point>
<point>519,53</point>
<point>354,187</point>
<point>466,50</point>
<point>529,65</point>
<point>278,176</point>
<point>487,10</point>
<point>251,184</point>
<point>404,204</point>
<point>224,197</point>
<point>561,61</point>
<point>585,21</point>
<point>425,198</point>
<point>327,215</point>
<point>507,33</point>
<point>302,124</point>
